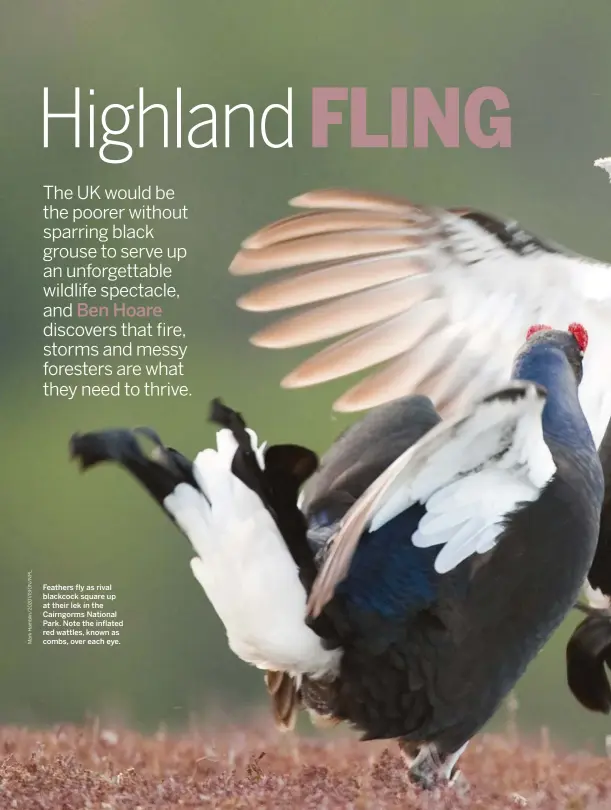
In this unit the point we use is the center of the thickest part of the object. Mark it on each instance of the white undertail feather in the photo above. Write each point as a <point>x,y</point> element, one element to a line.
<point>245,568</point>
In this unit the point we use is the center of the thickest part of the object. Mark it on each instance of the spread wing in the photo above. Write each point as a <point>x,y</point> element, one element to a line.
<point>442,297</point>
<point>497,448</point>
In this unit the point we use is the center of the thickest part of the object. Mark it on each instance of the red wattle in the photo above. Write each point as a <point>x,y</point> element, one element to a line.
<point>538,327</point>
<point>580,335</point>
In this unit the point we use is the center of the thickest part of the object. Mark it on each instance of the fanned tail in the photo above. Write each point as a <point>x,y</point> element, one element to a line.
<point>237,504</point>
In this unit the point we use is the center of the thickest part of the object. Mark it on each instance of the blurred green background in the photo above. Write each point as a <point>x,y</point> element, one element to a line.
<point>554,62</point>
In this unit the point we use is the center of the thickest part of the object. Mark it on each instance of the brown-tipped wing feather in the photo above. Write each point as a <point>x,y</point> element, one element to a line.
<point>342,315</point>
<point>444,296</point>
<point>330,281</point>
<point>316,223</point>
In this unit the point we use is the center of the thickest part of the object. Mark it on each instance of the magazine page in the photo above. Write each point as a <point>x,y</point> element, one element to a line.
<point>306,333</point>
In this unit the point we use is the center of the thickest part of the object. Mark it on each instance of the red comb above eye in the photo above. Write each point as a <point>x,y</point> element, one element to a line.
<point>580,335</point>
<point>538,327</point>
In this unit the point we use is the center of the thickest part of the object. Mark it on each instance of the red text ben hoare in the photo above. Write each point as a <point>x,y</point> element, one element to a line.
<point>84,310</point>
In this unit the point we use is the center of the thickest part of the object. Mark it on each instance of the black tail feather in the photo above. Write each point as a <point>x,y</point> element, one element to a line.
<point>286,468</point>
<point>160,472</point>
<point>163,469</point>
<point>588,653</point>
<point>225,417</point>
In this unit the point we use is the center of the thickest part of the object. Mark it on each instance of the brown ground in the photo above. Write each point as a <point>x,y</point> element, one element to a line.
<point>97,768</point>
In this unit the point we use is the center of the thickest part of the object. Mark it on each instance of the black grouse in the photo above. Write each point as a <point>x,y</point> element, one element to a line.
<point>393,275</point>
<point>588,652</point>
<point>428,564</point>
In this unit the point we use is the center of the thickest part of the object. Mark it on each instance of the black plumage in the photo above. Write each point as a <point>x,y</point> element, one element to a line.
<point>454,661</point>
<point>428,607</point>
<point>588,652</point>
<point>600,572</point>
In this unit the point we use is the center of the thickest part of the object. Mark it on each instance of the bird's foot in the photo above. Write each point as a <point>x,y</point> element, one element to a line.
<point>459,783</point>
<point>431,769</point>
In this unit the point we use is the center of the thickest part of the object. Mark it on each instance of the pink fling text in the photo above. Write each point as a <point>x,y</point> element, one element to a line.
<point>423,110</point>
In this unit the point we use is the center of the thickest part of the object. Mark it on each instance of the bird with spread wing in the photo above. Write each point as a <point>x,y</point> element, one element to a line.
<point>444,536</point>
<point>442,298</point>
<point>434,557</point>
<point>436,301</point>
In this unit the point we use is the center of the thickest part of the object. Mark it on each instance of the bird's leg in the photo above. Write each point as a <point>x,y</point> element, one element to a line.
<point>409,750</point>
<point>431,768</point>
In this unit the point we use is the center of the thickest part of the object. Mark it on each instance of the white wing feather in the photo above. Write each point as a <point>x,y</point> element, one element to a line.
<point>409,276</point>
<point>470,472</point>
